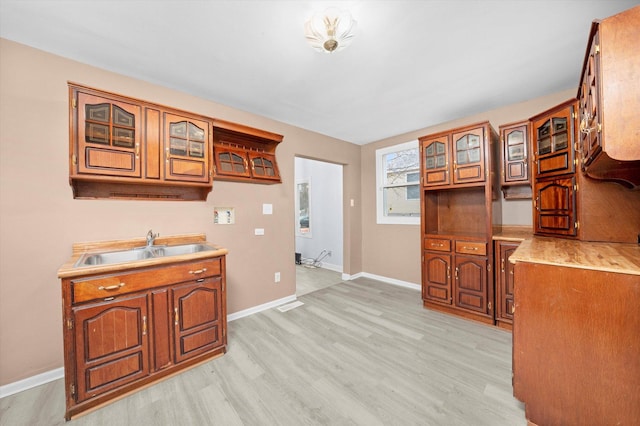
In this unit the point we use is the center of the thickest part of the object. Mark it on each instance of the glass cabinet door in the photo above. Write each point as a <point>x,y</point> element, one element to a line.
<point>514,140</point>
<point>186,149</point>
<point>435,157</point>
<point>553,142</point>
<point>468,151</point>
<point>263,166</point>
<point>588,116</point>
<point>230,162</point>
<point>108,141</point>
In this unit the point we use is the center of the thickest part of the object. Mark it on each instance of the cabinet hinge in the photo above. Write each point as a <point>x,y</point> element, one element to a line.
<point>575,187</point>
<point>214,169</point>
<point>489,306</point>
<point>74,159</point>
<point>72,390</point>
<point>489,268</point>
<point>576,225</point>
<point>73,103</point>
<point>69,324</point>
<point>597,49</point>
<point>574,115</point>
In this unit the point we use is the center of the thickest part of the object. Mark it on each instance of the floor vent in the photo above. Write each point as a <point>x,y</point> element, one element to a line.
<point>290,306</point>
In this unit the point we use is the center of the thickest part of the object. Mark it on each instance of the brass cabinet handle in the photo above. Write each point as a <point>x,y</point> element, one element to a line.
<point>176,318</point>
<point>470,248</point>
<point>198,271</point>
<point>456,272</point>
<point>111,287</point>
<point>144,325</point>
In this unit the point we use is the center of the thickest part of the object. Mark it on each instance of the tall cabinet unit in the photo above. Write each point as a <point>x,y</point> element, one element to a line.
<point>458,207</point>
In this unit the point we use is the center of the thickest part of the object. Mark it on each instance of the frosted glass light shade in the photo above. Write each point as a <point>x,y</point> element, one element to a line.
<point>330,31</point>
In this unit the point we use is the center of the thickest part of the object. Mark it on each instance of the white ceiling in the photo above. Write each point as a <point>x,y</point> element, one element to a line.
<point>411,65</point>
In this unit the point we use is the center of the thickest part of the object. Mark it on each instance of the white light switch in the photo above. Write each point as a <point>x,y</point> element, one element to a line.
<point>259,231</point>
<point>353,203</point>
<point>267,209</point>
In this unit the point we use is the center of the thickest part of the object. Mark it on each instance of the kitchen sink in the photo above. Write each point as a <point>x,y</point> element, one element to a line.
<point>139,253</point>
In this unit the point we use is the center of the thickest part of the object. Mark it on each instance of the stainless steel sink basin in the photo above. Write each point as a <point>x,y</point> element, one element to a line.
<point>140,253</point>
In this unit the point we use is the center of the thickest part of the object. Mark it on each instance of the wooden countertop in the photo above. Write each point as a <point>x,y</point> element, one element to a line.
<point>512,233</point>
<point>610,257</point>
<point>68,270</point>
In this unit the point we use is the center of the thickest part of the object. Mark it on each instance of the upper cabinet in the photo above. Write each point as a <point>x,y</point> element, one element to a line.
<point>515,178</point>
<point>467,148</point>
<point>244,154</point>
<point>130,149</point>
<point>552,140</point>
<point>609,100</point>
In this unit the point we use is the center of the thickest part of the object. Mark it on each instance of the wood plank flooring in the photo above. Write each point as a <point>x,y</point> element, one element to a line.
<point>356,353</point>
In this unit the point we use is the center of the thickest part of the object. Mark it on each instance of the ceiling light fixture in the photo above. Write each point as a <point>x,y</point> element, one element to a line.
<point>330,31</point>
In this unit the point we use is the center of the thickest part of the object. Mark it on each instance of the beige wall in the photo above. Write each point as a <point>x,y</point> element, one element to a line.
<point>393,251</point>
<point>39,219</point>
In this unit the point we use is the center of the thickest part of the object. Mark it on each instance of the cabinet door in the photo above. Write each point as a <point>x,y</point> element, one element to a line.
<point>231,162</point>
<point>435,157</point>
<point>471,283</point>
<point>555,206</point>
<point>263,166</point>
<point>197,312</point>
<point>468,156</point>
<point>186,144</point>
<point>107,137</point>
<point>514,146</point>
<point>553,141</point>
<point>589,106</point>
<point>505,281</point>
<point>436,285</point>
<point>111,344</point>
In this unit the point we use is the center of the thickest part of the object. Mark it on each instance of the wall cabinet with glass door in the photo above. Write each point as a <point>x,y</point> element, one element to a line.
<point>244,154</point>
<point>515,178</point>
<point>555,210</point>
<point>609,100</point>
<point>118,145</point>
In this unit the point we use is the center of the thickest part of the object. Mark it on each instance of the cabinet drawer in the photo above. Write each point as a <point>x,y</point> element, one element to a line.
<point>437,244</point>
<point>471,247</point>
<point>126,282</point>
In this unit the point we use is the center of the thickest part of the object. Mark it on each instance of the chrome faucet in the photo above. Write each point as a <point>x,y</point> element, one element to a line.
<point>151,237</point>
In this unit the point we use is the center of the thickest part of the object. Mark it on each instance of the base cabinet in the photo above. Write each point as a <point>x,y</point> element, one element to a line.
<point>504,283</point>
<point>127,329</point>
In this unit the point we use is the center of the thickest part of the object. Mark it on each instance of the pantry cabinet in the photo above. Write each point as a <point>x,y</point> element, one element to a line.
<point>131,327</point>
<point>458,207</point>
<point>609,100</point>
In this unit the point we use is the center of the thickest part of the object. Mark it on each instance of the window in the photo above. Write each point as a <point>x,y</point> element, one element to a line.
<point>398,184</point>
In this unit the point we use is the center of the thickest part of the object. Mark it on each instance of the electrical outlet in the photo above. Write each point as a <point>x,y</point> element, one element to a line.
<point>276,277</point>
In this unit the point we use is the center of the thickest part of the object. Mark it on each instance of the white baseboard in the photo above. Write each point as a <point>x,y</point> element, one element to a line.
<point>58,373</point>
<point>260,308</point>
<point>331,267</point>
<point>387,280</point>
<point>31,382</point>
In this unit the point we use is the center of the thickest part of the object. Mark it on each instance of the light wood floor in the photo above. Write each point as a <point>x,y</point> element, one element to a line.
<point>356,353</point>
<point>310,279</point>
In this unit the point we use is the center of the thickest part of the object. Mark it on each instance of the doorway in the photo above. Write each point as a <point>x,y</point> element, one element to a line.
<point>318,224</point>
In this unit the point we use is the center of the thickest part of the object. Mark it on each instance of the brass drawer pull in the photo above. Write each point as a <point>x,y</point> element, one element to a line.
<point>437,245</point>
<point>111,287</point>
<point>198,271</point>
<point>470,248</point>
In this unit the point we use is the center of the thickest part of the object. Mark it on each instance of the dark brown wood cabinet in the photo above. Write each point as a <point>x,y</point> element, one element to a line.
<point>457,215</point>
<point>504,278</point>
<point>555,211</point>
<point>515,177</point>
<point>122,147</point>
<point>134,326</point>
<point>609,100</point>
<point>244,154</point>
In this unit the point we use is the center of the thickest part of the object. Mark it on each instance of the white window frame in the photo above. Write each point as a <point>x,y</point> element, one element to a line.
<point>381,219</point>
